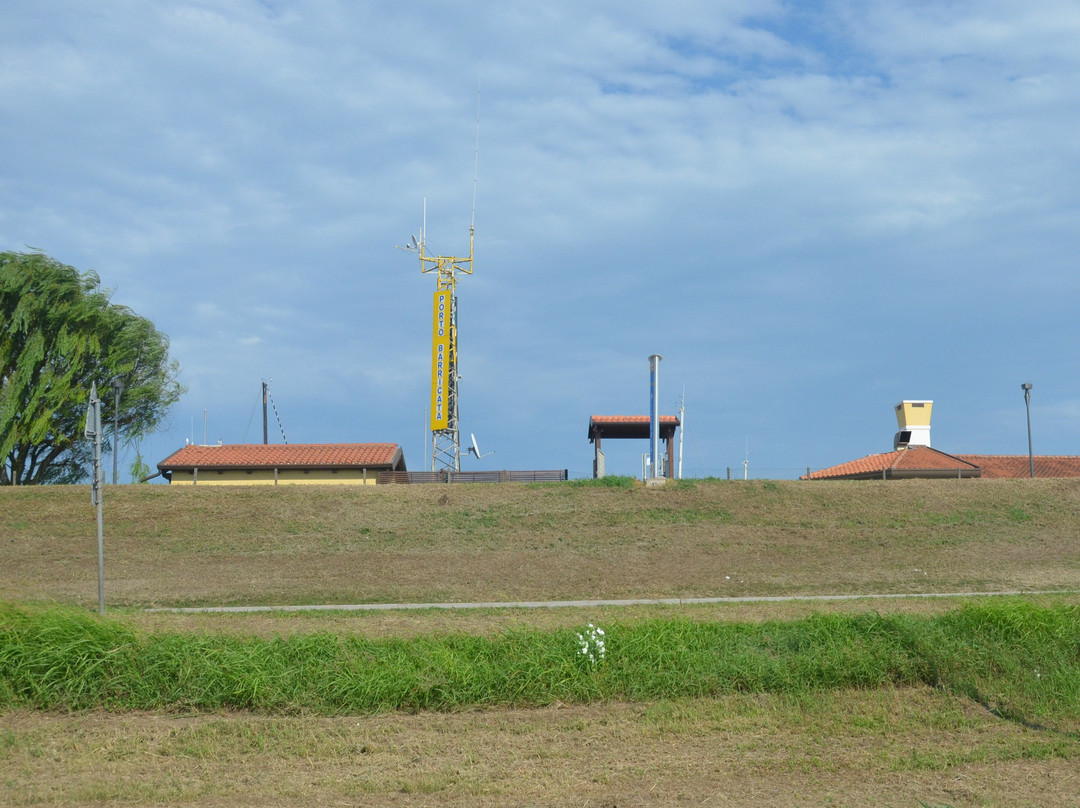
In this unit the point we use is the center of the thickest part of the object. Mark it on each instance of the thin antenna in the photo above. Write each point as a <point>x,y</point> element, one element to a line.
<point>476,163</point>
<point>682,425</point>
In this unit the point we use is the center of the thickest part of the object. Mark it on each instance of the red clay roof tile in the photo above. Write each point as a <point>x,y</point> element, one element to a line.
<point>631,419</point>
<point>1006,466</point>
<point>913,461</point>
<point>268,456</point>
<point>629,426</point>
<point>923,461</point>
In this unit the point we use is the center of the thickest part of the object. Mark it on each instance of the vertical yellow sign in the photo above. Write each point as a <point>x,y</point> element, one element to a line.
<point>440,360</point>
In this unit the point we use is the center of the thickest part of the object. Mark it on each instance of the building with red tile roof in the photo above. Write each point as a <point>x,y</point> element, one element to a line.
<point>280,464</point>
<point>904,463</point>
<point>912,457</point>
<point>630,426</point>
<point>1003,466</point>
<point>926,463</point>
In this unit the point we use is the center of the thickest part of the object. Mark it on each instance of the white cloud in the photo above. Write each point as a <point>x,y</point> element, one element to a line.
<point>773,196</point>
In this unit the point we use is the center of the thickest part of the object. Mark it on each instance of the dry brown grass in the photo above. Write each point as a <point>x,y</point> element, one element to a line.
<point>502,542</point>
<point>292,545</point>
<point>886,748</point>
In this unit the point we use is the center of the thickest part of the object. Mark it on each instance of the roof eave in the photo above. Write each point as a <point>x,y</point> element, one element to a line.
<point>934,474</point>
<point>905,474</point>
<point>280,467</point>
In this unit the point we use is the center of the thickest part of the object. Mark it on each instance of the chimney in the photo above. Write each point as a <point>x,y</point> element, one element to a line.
<point>913,419</point>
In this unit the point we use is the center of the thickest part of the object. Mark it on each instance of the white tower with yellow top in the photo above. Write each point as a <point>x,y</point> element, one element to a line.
<point>913,420</point>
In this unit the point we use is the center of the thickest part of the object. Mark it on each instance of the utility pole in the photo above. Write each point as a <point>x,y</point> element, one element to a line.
<point>93,432</point>
<point>1026,387</point>
<point>682,426</point>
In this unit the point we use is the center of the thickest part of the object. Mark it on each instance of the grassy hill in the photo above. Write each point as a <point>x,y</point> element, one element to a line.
<point>428,543</point>
<point>920,702</point>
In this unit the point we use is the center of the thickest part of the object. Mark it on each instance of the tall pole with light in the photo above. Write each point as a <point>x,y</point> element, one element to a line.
<point>117,386</point>
<point>93,433</point>
<point>1026,387</point>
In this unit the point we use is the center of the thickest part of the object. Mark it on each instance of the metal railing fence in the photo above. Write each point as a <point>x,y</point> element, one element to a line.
<point>505,476</point>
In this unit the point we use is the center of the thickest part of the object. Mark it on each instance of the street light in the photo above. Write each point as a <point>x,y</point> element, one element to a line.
<point>117,386</point>
<point>1026,387</point>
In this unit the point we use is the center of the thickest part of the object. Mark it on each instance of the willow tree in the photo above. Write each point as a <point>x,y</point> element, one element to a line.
<point>61,334</point>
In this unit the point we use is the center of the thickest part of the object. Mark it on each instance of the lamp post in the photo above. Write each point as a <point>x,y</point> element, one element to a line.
<point>1026,387</point>
<point>117,386</point>
<point>93,432</point>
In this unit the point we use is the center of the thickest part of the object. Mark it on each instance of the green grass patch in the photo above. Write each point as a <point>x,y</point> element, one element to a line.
<point>1019,660</point>
<point>683,516</point>
<point>602,482</point>
<point>1018,514</point>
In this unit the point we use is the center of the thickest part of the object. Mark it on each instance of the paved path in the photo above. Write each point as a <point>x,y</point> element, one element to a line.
<point>589,604</point>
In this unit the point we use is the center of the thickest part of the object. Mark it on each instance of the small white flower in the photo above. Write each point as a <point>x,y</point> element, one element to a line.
<point>591,644</point>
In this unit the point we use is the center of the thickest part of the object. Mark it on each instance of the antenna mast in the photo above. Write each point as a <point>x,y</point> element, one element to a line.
<point>682,426</point>
<point>443,415</point>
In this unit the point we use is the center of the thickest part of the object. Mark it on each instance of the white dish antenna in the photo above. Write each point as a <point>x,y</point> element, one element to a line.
<point>474,450</point>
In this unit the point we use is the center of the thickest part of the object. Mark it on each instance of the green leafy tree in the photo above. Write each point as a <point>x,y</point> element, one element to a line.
<point>139,470</point>
<point>60,334</point>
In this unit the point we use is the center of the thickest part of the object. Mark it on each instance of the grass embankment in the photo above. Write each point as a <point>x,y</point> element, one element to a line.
<point>744,704</point>
<point>566,541</point>
<point>1019,660</point>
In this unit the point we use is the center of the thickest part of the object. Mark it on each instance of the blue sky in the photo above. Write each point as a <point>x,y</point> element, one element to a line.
<point>811,210</point>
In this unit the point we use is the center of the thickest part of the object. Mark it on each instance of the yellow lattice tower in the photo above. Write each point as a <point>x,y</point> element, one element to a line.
<point>443,414</point>
<point>445,436</point>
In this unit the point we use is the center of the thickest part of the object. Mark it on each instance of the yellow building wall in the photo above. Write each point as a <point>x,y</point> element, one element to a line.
<point>913,413</point>
<point>284,477</point>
